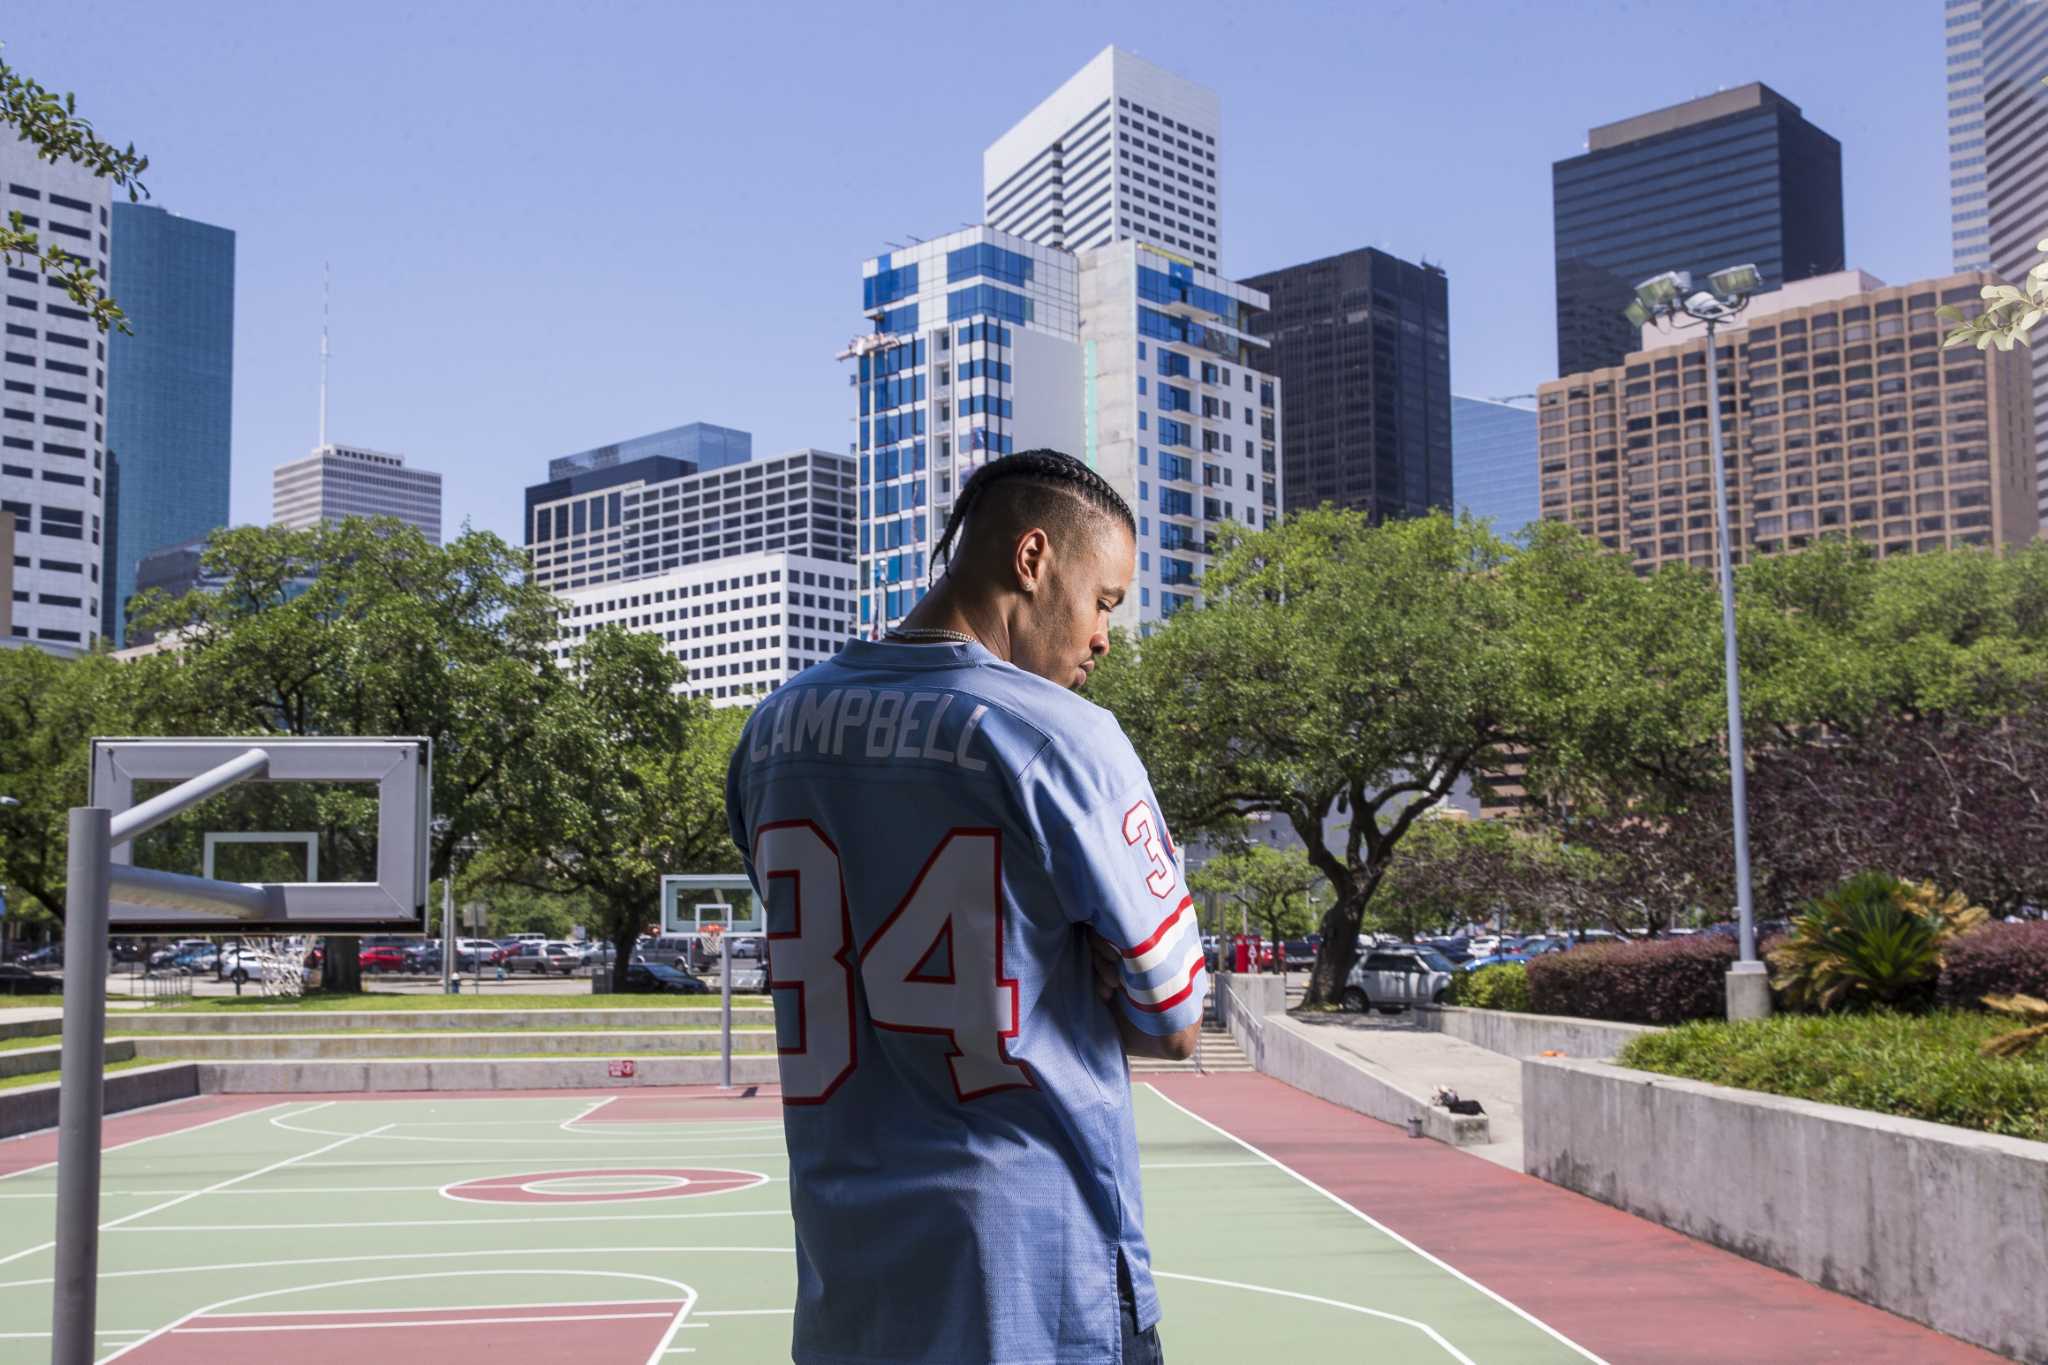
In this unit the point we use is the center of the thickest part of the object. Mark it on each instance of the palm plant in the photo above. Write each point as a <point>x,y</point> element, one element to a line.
<point>1873,941</point>
<point>2021,1040</point>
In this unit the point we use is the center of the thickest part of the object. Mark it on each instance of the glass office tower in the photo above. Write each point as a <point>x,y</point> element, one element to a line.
<point>1737,177</point>
<point>1997,149</point>
<point>170,391</point>
<point>1361,343</point>
<point>1493,459</point>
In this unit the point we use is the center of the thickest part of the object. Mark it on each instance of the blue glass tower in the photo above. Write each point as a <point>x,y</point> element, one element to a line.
<point>170,391</point>
<point>1493,462</point>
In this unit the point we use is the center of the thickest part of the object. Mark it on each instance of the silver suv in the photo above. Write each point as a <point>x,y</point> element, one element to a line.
<point>1393,978</point>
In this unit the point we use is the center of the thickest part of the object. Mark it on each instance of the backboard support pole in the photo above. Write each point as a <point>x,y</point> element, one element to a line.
<point>81,1095</point>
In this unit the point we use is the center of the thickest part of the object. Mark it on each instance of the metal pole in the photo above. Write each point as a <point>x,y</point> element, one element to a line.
<point>448,931</point>
<point>725,1007</point>
<point>1743,997</point>
<point>80,1095</point>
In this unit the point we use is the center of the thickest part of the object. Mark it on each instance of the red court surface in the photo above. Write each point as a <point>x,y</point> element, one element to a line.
<point>1625,1289</point>
<point>448,1336</point>
<point>138,1125</point>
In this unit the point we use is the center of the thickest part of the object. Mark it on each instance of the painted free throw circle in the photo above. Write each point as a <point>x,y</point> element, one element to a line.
<point>595,1186</point>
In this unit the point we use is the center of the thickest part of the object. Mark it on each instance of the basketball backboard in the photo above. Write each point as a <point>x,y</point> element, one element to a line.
<point>157,893</point>
<point>693,900</point>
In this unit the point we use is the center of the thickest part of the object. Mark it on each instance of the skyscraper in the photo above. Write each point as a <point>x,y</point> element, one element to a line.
<point>338,481</point>
<point>1362,343</point>
<point>53,410</point>
<point>1997,147</point>
<point>1493,461</point>
<point>1124,149</point>
<point>1845,418</point>
<point>170,391</point>
<point>1732,178</point>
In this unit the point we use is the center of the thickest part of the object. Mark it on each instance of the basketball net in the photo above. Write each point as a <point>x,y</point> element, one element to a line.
<point>712,931</point>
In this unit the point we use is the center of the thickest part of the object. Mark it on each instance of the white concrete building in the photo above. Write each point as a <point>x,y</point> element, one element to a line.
<point>743,625</point>
<point>338,481</point>
<point>53,408</point>
<point>650,514</point>
<point>1123,150</point>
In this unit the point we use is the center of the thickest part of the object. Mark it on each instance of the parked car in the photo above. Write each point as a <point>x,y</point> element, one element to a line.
<point>1300,953</point>
<point>384,957</point>
<point>16,979</point>
<point>659,976</point>
<point>49,955</point>
<point>541,957</point>
<point>1392,979</point>
<point>242,965</point>
<point>198,960</point>
<point>1496,960</point>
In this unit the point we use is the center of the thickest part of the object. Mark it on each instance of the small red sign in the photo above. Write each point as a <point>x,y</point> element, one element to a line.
<point>622,1070</point>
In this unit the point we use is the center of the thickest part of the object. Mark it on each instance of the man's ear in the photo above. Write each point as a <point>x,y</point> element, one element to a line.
<point>1033,559</point>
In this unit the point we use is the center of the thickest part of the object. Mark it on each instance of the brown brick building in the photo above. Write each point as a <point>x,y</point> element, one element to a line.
<point>1841,413</point>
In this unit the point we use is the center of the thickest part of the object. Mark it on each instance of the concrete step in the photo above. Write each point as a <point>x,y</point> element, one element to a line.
<point>1219,1052</point>
<point>422,1043</point>
<point>256,1019</point>
<point>28,1060</point>
<point>478,1073</point>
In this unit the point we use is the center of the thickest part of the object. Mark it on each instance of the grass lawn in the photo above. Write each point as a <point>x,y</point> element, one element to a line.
<point>386,1001</point>
<point>16,1044</point>
<point>45,1077</point>
<point>1916,1066</point>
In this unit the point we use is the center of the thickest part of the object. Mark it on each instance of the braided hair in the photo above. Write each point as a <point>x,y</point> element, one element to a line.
<point>1052,470</point>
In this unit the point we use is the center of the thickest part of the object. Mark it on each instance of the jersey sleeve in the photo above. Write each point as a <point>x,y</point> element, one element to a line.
<point>1117,871</point>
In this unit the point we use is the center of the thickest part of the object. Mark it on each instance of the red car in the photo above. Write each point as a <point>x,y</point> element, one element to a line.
<point>381,959</point>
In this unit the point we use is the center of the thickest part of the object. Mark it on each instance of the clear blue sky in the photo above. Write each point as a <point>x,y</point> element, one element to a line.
<point>554,225</point>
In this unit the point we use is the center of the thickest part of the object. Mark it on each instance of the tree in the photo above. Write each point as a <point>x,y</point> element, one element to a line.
<point>50,123</point>
<point>627,784</point>
<point>1449,872</point>
<point>1335,661</point>
<point>366,628</point>
<point>1274,887</point>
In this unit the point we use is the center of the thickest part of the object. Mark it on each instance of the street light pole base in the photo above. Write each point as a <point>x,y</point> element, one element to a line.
<point>1749,991</point>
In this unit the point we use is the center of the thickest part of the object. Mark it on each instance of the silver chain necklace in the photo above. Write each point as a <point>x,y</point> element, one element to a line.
<point>929,635</point>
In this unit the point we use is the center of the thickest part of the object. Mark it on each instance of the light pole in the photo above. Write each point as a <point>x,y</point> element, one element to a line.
<point>1670,298</point>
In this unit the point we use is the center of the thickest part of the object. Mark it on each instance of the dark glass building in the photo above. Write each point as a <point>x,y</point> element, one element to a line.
<point>1362,346</point>
<point>170,391</point>
<point>1733,178</point>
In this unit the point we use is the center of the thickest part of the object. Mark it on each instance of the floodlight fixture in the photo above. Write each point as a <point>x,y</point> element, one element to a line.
<point>1661,291</point>
<point>1735,282</point>
<point>1637,315</point>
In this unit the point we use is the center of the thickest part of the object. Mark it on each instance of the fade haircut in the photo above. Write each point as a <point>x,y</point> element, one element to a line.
<point>1043,488</point>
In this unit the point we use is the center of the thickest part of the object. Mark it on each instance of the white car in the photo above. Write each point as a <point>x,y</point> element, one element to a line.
<point>1392,979</point>
<point>243,965</point>
<point>1486,945</point>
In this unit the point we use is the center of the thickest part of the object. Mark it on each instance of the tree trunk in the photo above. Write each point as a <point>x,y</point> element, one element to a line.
<point>1338,952</point>
<point>622,955</point>
<point>341,971</point>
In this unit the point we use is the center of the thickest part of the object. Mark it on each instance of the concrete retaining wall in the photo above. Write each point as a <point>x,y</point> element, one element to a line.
<point>23,1061</point>
<point>254,1020</point>
<point>338,1046</point>
<point>31,1028</point>
<point>1242,1003</point>
<point>1307,1058</point>
<point>1942,1225</point>
<point>1528,1035</point>
<point>480,1074</point>
<point>33,1107</point>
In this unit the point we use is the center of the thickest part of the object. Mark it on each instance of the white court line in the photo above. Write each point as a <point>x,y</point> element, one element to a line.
<point>223,1184</point>
<point>414,1256</point>
<point>1371,1221</point>
<point>745,1312</point>
<point>462,1222</point>
<point>388,1326</point>
<point>689,1296</point>
<point>472,1141</point>
<point>1421,1327</point>
<point>590,1108</point>
<point>152,1137</point>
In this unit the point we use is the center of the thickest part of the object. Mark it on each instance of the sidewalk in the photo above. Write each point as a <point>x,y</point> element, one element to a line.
<point>1628,1290</point>
<point>1419,1060</point>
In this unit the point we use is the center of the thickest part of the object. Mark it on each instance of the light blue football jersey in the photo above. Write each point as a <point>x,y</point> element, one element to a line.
<point>931,828</point>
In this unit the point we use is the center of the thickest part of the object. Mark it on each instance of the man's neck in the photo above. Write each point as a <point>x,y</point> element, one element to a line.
<point>942,609</point>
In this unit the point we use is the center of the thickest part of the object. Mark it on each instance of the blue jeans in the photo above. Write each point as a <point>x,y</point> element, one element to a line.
<point>1140,1348</point>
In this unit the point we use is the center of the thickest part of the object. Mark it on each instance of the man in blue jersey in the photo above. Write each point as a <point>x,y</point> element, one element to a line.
<point>975,914</point>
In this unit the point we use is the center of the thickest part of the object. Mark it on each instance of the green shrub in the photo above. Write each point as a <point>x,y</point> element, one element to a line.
<point>1998,959</point>
<point>1916,1066</point>
<point>1503,986</point>
<point>1873,941</point>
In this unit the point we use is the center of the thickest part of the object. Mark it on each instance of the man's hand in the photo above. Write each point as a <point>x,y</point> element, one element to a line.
<point>1108,964</point>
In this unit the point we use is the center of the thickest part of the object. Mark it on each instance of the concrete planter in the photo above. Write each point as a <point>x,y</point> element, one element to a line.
<point>567,1073</point>
<point>23,1061</point>
<point>244,1022</point>
<point>1530,1035</point>
<point>33,1107</point>
<point>1943,1225</point>
<point>337,1046</point>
